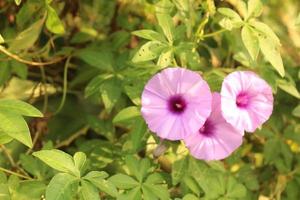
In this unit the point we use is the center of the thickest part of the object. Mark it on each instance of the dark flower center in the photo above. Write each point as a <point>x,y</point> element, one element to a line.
<point>242,100</point>
<point>207,129</point>
<point>177,104</point>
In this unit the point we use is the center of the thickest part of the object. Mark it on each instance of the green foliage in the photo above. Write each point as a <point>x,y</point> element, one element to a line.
<point>94,57</point>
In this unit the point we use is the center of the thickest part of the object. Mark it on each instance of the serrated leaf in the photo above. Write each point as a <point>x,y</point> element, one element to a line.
<point>19,107</point>
<point>272,54</point>
<point>62,187</point>
<point>165,21</point>
<point>250,41</point>
<point>15,126</point>
<point>123,181</point>
<point>58,160</point>
<point>127,114</point>
<point>288,87</point>
<point>149,35</point>
<point>28,37</point>
<point>255,8</point>
<point>148,51</point>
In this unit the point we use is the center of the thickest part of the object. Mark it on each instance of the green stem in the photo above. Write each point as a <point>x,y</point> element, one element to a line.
<point>214,33</point>
<point>65,86</point>
<point>15,173</point>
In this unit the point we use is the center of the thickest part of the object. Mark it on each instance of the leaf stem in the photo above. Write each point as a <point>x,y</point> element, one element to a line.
<point>17,58</point>
<point>73,137</point>
<point>214,33</point>
<point>65,86</point>
<point>15,173</point>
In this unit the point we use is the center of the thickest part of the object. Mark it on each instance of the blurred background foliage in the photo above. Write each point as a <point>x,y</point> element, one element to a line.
<point>84,65</point>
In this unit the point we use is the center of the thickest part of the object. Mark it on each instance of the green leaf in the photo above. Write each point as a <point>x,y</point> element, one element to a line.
<point>271,150</point>
<point>137,133</point>
<point>53,23</point>
<point>5,72</point>
<point>97,58</point>
<point>190,197</point>
<point>19,107</point>
<point>165,59</point>
<point>110,92</point>
<point>235,189</point>
<point>158,190</point>
<point>4,138</point>
<point>266,31</point>
<point>127,114</point>
<point>98,180</point>
<point>230,14</point>
<point>255,8</point>
<point>20,69</point>
<point>1,39</point>
<point>297,23</point>
<point>94,85</point>
<point>134,194</point>
<point>288,87</point>
<point>179,170</point>
<point>15,126</point>
<point>80,161</point>
<point>58,160</point>
<point>123,181</point>
<point>148,51</point>
<point>18,2</point>
<point>155,178</point>
<point>28,37</point>
<point>62,187</point>
<point>165,21</point>
<point>296,111</point>
<point>272,54</point>
<point>148,194</point>
<point>250,41</point>
<point>149,35</point>
<point>88,191</point>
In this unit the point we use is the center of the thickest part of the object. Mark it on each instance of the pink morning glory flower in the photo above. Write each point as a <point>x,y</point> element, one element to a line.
<point>246,99</point>
<point>216,139</point>
<point>176,103</point>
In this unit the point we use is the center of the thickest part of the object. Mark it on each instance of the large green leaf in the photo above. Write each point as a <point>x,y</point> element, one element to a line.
<point>148,51</point>
<point>28,37</point>
<point>88,191</point>
<point>137,133</point>
<point>58,160</point>
<point>19,107</point>
<point>123,181</point>
<point>127,114</point>
<point>288,87</point>
<point>272,54</point>
<point>110,92</point>
<point>165,21</point>
<point>149,35</point>
<point>15,126</point>
<point>97,58</point>
<point>62,187</point>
